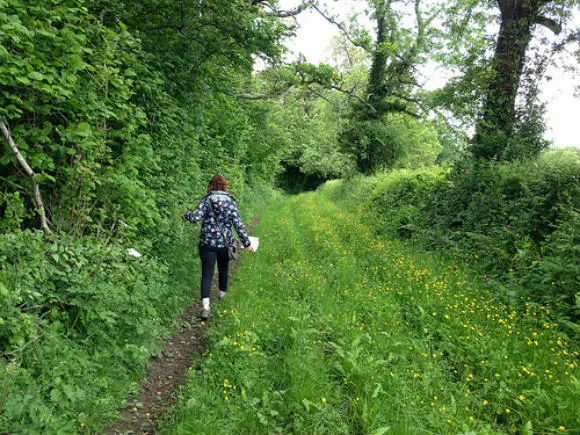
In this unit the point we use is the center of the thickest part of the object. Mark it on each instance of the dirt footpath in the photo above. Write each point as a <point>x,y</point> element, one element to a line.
<point>167,372</point>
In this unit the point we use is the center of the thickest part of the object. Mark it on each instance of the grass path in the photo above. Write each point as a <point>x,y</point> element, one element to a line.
<point>330,329</point>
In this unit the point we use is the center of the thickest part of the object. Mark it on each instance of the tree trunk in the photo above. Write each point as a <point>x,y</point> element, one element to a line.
<point>374,150</point>
<point>496,124</point>
<point>377,76</point>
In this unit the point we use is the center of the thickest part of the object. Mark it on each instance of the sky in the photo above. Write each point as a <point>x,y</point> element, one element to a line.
<point>563,107</point>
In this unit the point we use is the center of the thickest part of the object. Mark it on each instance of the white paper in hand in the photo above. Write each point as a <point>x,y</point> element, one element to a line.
<point>254,242</point>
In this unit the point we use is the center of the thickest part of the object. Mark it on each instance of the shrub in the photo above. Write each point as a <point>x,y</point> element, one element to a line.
<point>554,276</point>
<point>79,321</point>
<point>399,197</point>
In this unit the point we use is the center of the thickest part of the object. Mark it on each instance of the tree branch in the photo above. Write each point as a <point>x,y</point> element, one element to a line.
<point>264,96</point>
<point>411,114</point>
<point>340,27</point>
<point>550,24</point>
<point>258,96</point>
<point>18,187</point>
<point>321,96</point>
<point>356,97</point>
<point>102,15</point>
<point>292,13</point>
<point>282,14</point>
<point>37,198</point>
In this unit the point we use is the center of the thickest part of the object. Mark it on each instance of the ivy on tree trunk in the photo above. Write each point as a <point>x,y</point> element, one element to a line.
<point>498,118</point>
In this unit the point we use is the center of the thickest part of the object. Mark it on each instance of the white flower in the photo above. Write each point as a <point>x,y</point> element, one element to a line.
<point>133,252</point>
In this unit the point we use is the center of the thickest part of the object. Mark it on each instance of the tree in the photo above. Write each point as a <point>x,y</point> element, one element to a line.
<point>67,85</point>
<point>518,18</point>
<point>395,53</point>
<point>116,128</point>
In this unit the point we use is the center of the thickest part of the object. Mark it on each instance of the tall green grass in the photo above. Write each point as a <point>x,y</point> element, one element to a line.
<point>331,329</point>
<point>518,221</point>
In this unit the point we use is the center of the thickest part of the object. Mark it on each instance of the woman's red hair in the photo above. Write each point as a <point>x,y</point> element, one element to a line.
<point>218,182</point>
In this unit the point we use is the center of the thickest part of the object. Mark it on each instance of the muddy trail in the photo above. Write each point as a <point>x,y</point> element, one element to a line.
<point>168,371</point>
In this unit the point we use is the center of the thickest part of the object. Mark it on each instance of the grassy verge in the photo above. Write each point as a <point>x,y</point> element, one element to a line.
<point>330,329</point>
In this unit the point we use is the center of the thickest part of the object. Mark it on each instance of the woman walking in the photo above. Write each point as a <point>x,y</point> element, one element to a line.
<point>218,212</point>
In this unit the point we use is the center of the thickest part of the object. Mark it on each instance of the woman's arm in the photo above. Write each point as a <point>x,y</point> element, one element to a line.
<point>239,225</point>
<point>199,213</point>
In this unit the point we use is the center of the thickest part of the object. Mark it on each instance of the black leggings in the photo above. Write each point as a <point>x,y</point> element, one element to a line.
<point>208,259</point>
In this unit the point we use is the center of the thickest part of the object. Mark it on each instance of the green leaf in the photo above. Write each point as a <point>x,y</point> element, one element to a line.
<point>35,75</point>
<point>23,80</point>
<point>77,63</point>
<point>45,177</point>
<point>528,429</point>
<point>84,129</point>
<point>263,419</point>
<point>55,396</point>
<point>381,430</point>
<point>3,290</point>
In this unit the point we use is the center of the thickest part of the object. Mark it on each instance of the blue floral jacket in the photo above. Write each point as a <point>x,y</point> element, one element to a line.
<point>225,210</point>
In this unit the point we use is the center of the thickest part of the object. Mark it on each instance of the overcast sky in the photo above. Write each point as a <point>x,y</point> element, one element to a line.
<point>563,108</point>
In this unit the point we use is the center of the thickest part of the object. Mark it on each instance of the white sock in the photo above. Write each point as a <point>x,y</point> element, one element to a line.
<point>205,303</point>
<point>222,294</point>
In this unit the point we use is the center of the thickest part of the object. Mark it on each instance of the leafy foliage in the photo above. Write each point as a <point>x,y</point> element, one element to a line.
<point>79,321</point>
<point>123,118</point>
<point>125,108</point>
<point>68,83</point>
